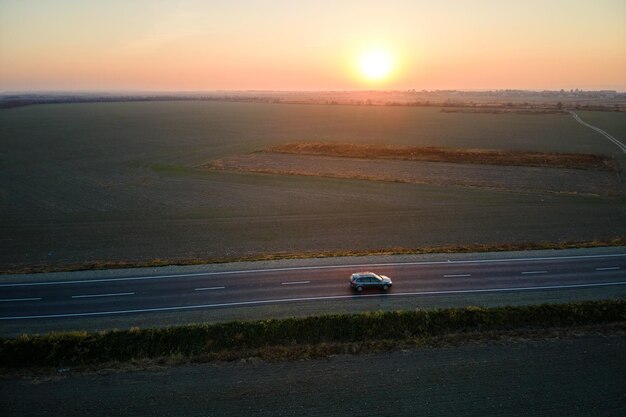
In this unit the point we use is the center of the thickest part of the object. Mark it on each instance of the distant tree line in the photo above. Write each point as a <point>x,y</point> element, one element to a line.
<point>612,102</point>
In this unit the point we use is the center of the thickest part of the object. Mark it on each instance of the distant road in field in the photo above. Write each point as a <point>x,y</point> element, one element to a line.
<point>600,131</point>
<point>91,295</point>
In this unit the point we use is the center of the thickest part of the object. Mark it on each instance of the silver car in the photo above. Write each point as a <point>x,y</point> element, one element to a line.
<point>362,280</point>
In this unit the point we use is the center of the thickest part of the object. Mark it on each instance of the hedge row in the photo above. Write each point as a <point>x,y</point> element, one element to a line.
<point>76,348</point>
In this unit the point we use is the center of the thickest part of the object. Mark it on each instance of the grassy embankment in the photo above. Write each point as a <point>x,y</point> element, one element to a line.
<point>436,154</point>
<point>472,248</point>
<point>301,337</point>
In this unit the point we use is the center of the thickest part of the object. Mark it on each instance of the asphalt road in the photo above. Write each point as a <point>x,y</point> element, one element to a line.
<point>93,296</point>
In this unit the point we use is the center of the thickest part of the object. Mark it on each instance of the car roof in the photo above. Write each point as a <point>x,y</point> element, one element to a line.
<point>364,274</point>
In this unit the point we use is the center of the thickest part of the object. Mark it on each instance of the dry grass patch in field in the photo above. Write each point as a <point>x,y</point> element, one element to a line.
<point>435,154</point>
<point>501,110</point>
<point>590,182</point>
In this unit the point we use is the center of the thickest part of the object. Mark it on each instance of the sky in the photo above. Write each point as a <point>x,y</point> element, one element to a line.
<point>189,45</point>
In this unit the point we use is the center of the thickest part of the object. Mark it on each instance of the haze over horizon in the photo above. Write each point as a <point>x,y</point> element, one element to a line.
<point>190,45</point>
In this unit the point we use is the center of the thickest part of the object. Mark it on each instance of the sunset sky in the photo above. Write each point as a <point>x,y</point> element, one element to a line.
<point>311,45</point>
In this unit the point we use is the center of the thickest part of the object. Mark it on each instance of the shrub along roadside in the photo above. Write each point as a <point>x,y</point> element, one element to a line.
<point>82,348</point>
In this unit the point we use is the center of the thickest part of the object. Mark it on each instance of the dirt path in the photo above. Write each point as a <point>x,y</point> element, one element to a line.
<point>600,131</point>
<point>575,377</point>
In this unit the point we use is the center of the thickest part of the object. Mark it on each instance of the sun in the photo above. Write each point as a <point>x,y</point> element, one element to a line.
<point>375,65</point>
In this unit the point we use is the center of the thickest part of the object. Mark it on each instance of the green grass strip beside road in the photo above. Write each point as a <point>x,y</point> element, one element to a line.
<point>225,340</point>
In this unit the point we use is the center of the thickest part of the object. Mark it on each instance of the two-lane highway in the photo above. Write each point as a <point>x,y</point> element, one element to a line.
<point>89,297</point>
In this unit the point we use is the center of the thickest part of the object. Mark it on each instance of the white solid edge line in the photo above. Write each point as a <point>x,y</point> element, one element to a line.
<point>457,275</point>
<point>209,288</point>
<point>534,272</point>
<point>302,268</point>
<point>6,300</point>
<point>609,268</point>
<point>295,282</point>
<point>333,297</point>
<point>119,294</point>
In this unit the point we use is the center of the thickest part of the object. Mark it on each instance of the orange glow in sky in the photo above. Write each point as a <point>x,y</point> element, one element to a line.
<point>194,45</point>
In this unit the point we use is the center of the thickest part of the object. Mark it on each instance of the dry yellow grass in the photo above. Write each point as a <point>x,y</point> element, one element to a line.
<point>435,154</point>
<point>501,110</point>
<point>470,248</point>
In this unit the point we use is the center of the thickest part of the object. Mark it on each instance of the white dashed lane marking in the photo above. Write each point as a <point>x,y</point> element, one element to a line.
<point>119,294</point>
<point>8,300</point>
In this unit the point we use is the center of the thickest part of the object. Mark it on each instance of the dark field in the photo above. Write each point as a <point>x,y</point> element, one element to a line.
<point>571,376</point>
<point>122,181</point>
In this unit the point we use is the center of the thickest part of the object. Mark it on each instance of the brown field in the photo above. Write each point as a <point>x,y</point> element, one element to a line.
<point>512,178</point>
<point>436,154</point>
<point>487,110</point>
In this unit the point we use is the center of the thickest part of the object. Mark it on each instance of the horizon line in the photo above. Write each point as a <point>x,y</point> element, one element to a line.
<point>408,90</point>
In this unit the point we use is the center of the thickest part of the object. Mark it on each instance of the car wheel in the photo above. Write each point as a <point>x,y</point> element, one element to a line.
<point>385,287</point>
<point>359,289</point>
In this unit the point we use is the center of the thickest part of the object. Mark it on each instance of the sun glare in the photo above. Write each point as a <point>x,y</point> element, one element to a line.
<point>375,65</point>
